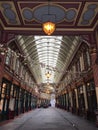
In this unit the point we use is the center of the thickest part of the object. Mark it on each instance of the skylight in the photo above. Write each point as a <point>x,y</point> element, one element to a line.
<point>48,48</point>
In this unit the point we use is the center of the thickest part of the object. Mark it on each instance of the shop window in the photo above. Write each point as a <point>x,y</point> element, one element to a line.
<point>77,68</point>
<point>11,104</point>
<point>91,95</point>
<point>12,99</point>
<point>1,105</point>
<point>81,62</point>
<point>92,101</point>
<point>5,95</point>
<point>81,100</point>
<point>21,70</point>
<point>21,100</point>
<point>88,58</point>
<point>12,91</point>
<point>17,66</point>
<point>74,100</point>
<point>16,96</point>
<point>3,91</point>
<point>8,57</point>
<point>14,57</point>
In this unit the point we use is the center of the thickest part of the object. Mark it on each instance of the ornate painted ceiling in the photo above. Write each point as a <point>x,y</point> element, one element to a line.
<point>26,17</point>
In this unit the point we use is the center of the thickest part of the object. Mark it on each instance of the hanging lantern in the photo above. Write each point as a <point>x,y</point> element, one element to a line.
<point>48,75</point>
<point>48,28</point>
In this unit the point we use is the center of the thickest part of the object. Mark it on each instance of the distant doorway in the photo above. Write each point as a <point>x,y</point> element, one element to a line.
<point>52,101</point>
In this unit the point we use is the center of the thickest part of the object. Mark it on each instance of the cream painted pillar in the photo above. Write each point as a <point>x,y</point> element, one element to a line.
<point>85,97</point>
<point>95,70</point>
<point>76,93</point>
<point>94,60</point>
<point>96,88</point>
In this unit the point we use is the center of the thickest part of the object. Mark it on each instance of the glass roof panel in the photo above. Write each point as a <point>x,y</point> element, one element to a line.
<point>52,52</point>
<point>45,48</point>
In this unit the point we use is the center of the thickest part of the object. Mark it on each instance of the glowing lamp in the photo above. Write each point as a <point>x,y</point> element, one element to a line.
<point>48,28</point>
<point>48,75</point>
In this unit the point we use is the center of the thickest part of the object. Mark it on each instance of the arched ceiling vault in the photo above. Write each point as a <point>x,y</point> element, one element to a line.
<point>49,51</point>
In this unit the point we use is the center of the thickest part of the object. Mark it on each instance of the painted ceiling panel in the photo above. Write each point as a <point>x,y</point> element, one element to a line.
<point>22,15</point>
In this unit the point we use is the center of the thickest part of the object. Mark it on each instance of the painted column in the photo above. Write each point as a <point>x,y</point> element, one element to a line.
<point>95,71</point>
<point>4,38</point>
<point>2,57</point>
<point>85,97</point>
<point>94,64</point>
<point>77,104</point>
<point>86,102</point>
<point>70,96</point>
<point>96,74</point>
<point>94,61</point>
<point>67,100</point>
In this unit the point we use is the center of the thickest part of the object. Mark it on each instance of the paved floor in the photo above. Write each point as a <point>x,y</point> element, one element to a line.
<point>48,119</point>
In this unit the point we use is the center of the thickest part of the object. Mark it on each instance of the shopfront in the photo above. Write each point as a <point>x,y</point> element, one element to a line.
<point>81,101</point>
<point>91,98</point>
<point>5,99</point>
